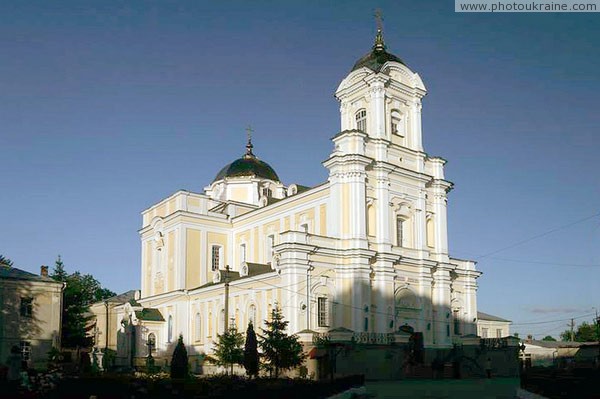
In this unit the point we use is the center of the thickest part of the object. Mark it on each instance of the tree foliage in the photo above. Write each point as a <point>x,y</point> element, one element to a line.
<point>282,351</point>
<point>548,338</point>
<point>228,349</point>
<point>251,352</point>
<point>179,360</point>
<point>5,261</point>
<point>585,332</point>
<point>80,292</point>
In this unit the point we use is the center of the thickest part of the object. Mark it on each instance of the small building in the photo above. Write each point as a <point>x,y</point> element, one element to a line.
<point>105,319</point>
<point>490,326</point>
<point>31,314</point>
<point>562,354</point>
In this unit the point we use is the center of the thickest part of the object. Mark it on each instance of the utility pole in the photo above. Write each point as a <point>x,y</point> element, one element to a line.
<point>226,318</point>
<point>572,325</point>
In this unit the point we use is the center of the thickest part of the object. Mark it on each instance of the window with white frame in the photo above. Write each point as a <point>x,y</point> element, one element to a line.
<point>322,312</point>
<point>484,333</point>
<point>25,350</point>
<point>498,333</point>
<point>397,123</point>
<point>170,329</point>
<point>361,120</point>
<point>269,249</point>
<point>215,257</point>
<point>399,231</point>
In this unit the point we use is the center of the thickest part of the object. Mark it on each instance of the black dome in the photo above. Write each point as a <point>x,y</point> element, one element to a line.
<point>247,166</point>
<point>375,58</point>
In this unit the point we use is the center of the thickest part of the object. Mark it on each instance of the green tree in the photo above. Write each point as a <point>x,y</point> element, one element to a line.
<point>585,333</point>
<point>251,352</point>
<point>228,348</point>
<point>548,338</point>
<point>5,261</point>
<point>81,290</point>
<point>282,351</point>
<point>179,360</point>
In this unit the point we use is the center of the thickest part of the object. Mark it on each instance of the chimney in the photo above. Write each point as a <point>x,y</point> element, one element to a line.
<point>44,271</point>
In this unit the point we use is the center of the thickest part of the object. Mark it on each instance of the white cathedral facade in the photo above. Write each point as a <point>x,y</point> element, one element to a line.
<point>367,250</point>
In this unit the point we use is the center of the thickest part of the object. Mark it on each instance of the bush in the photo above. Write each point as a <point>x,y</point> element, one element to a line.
<point>179,361</point>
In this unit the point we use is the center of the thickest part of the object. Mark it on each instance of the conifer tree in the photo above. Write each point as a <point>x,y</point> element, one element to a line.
<point>228,348</point>
<point>251,352</point>
<point>81,290</point>
<point>179,360</point>
<point>282,351</point>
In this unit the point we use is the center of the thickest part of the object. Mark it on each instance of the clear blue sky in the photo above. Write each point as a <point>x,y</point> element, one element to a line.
<point>107,107</point>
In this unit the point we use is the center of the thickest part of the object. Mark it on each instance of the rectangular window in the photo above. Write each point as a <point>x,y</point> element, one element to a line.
<point>25,350</point>
<point>322,312</point>
<point>484,333</point>
<point>26,307</point>
<point>399,231</point>
<point>216,257</point>
<point>499,333</point>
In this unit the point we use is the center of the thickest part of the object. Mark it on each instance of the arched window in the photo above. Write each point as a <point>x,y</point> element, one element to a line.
<point>397,120</point>
<point>406,299</point>
<point>430,232</point>
<point>198,327</point>
<point>170,329</point>
<point>361,120</point>
<point>400,236</point>
<point>371,220</point>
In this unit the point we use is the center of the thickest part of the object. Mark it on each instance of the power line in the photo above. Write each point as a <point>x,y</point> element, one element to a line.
<point>535,237</point>
<point>551,321</point>
<point>546,263</point>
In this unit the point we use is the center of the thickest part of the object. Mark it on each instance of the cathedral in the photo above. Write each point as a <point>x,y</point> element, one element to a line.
<point>365,252</point>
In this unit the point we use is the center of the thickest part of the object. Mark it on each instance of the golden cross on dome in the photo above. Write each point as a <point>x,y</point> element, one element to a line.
<point>379,18</point>
<point>249,146</point>
<point>249,131</point>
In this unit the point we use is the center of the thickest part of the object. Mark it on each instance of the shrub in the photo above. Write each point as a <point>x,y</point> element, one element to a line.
<point>179,361</point>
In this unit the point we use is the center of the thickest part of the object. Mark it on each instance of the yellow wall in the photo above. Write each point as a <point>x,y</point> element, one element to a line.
<point>171,260</point>
<point>192,260</point>
<point>345,210</point>
<point>148,268</point>
<point>323,219</point>
<point>239,194</point>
